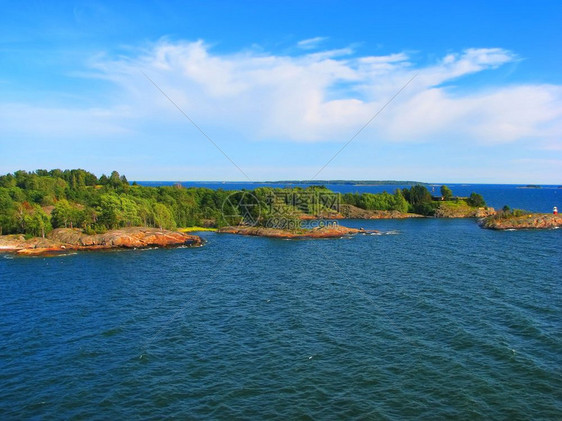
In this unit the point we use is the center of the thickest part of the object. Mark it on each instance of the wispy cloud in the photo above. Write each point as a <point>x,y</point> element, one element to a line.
<point>322,96</point>
<point>311,43</point>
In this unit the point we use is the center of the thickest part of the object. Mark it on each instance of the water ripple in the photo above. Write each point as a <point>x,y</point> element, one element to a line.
<point>443,320</point>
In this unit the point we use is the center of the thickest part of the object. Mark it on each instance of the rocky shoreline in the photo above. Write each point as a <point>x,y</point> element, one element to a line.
<point>353,212</point>
<point>463,211</point>
<point>336,231</point>
<point>62,240</point>
<point>528,221</point>
<point>445,210</point>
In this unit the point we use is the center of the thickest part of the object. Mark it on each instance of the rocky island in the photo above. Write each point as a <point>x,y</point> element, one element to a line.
<point>62,240</point>
<point>56,211</point>
<point>441,210</point>
<point>347,211</point>
<point>332,231</point>
<point>462,210</point>
<point>520,220</point>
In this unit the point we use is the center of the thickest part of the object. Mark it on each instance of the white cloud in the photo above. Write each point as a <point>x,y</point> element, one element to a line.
<point>311,43</point>
<point>494,116</point>
<point>471,60</point>
<point>321,96</point>
<point>327,96</point>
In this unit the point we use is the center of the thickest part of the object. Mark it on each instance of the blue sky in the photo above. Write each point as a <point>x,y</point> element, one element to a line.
<point>280,87</point>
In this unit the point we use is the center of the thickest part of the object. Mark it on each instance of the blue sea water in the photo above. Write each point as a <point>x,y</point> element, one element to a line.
<point>431,319</point>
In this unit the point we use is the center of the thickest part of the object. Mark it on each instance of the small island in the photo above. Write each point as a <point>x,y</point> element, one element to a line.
<point>521,220</point>
<point>63,240</point>
<point>56,211</point>
<point>332,231</point>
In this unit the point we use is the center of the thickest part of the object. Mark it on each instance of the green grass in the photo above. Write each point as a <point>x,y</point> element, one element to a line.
<point>454,204</point>
<point>196,229</point>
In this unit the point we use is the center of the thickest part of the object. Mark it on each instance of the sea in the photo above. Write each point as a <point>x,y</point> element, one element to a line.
<point>426,319</point>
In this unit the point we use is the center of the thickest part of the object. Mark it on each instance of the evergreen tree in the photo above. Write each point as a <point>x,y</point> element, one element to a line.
<point>446,193</point>
<point>476,200</point>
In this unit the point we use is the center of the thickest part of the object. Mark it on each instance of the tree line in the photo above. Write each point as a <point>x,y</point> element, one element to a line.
<point>33,203</point>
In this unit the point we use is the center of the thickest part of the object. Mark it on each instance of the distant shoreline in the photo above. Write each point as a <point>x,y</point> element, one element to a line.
<point>365,183</point>
<point>36,203</point>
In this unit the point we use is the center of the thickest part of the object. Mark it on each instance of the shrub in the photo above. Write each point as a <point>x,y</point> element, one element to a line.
<point>476,200</point>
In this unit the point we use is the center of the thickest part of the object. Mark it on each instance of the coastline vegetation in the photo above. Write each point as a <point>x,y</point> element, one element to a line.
<point>196,229</point>
<point>352,182</point>
<point>508,213</point>
<point>512,219</point>
<point>33,203</point>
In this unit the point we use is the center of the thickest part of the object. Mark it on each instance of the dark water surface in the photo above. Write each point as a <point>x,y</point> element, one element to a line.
<point>437,318</point>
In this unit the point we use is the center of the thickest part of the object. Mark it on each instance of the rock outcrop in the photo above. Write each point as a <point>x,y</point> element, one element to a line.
<point>65,239</point>
<point>353,212</point>
<point>447,210</point>
<point>12,243</point>
<point>529,221</point>
<point>323,232</point>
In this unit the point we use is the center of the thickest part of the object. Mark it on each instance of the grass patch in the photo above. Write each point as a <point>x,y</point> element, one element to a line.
<point>511,214</point>
<point>196,229</point>
<point>454,204</point>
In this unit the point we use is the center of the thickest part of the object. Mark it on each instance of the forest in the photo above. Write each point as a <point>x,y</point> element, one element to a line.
<point>34,203</point>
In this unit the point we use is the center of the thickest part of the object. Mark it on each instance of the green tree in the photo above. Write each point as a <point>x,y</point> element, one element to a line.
<point>56,173</point>
<point>63,214</point>
<point>7,181</point>
<point>37,222</point>
<point>476,200</point>
<point>21,211</point>
<point>88,218</point>
<point>163,217</point>
<point>399,202</point>
<point>144,211</point>
<point>103,180</point>
<point>115,180</point>
<point>446,193</point>
<point>419,195</point>
<point>8,221</point>
<point>110,210</point>
<point>129,212</point>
